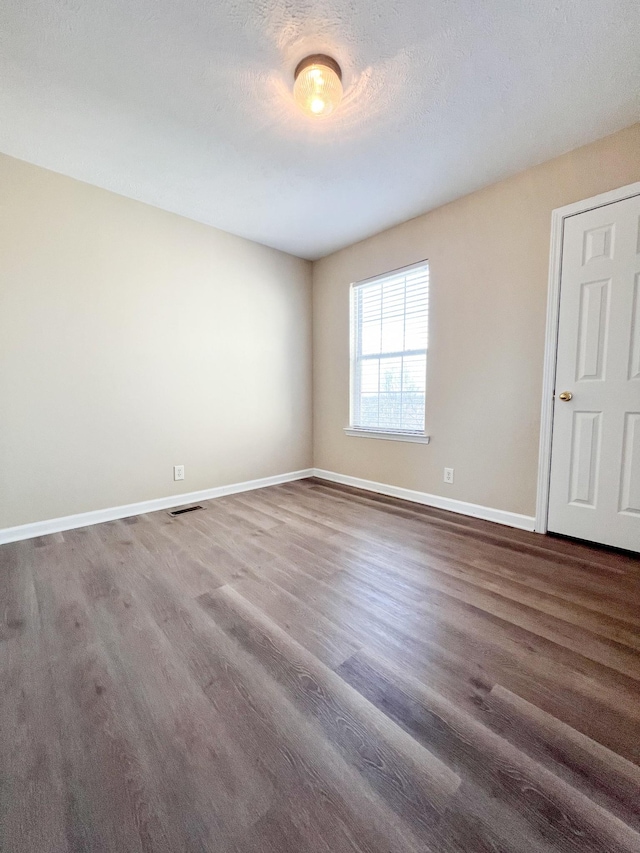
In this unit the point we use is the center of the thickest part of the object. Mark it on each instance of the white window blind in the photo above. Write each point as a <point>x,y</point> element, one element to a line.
<point>389,339</point>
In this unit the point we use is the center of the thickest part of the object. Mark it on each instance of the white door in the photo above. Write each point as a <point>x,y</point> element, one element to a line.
<point>595,455</point>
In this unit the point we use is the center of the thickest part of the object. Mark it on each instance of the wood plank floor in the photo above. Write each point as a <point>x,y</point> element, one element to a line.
<point>312,669</point>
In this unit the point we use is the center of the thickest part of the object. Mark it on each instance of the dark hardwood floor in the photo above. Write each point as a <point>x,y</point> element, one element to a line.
<point>312,669</point>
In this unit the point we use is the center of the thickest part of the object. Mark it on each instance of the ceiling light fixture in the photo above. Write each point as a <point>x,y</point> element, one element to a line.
<point>318,85</point>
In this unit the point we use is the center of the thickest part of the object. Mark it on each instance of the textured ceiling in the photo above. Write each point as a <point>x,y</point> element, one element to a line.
<point>187,105</point>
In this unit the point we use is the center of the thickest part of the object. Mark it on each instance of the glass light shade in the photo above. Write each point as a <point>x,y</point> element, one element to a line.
<point>318,85</point>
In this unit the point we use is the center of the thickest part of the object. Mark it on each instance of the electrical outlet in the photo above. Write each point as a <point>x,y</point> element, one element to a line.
<point>448,475</point>
<point>178,472</point>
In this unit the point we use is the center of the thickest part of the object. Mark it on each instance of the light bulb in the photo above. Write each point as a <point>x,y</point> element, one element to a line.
<point>318,85</point>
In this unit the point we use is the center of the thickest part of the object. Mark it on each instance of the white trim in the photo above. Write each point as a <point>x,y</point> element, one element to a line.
<point>391,273</point>
<point>388,436</point>
<point>500,516</point>
<point>355,344</point>
<point>354,385</point>
<point>84,519</point>
<point>558,217</point>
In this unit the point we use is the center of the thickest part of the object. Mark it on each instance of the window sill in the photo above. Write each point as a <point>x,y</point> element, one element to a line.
<point>388,436</point>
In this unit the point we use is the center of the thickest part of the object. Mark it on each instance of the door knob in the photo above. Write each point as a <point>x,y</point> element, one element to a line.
<point>565,396</point>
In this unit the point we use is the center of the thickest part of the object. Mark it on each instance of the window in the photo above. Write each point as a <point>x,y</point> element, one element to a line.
<point>389,335</point>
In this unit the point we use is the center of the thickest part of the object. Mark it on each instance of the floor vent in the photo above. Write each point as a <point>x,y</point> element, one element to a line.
<point>175,512</point>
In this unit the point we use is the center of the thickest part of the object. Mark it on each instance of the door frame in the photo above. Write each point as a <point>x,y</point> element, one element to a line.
<point>558,217</point>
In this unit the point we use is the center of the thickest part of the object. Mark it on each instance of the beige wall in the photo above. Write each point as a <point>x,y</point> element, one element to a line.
<point>132,340</point>
<point>488,255</point>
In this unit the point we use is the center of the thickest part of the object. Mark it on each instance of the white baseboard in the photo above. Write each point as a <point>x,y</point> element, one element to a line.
<point>501,516</point>
<point>84,519</point>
